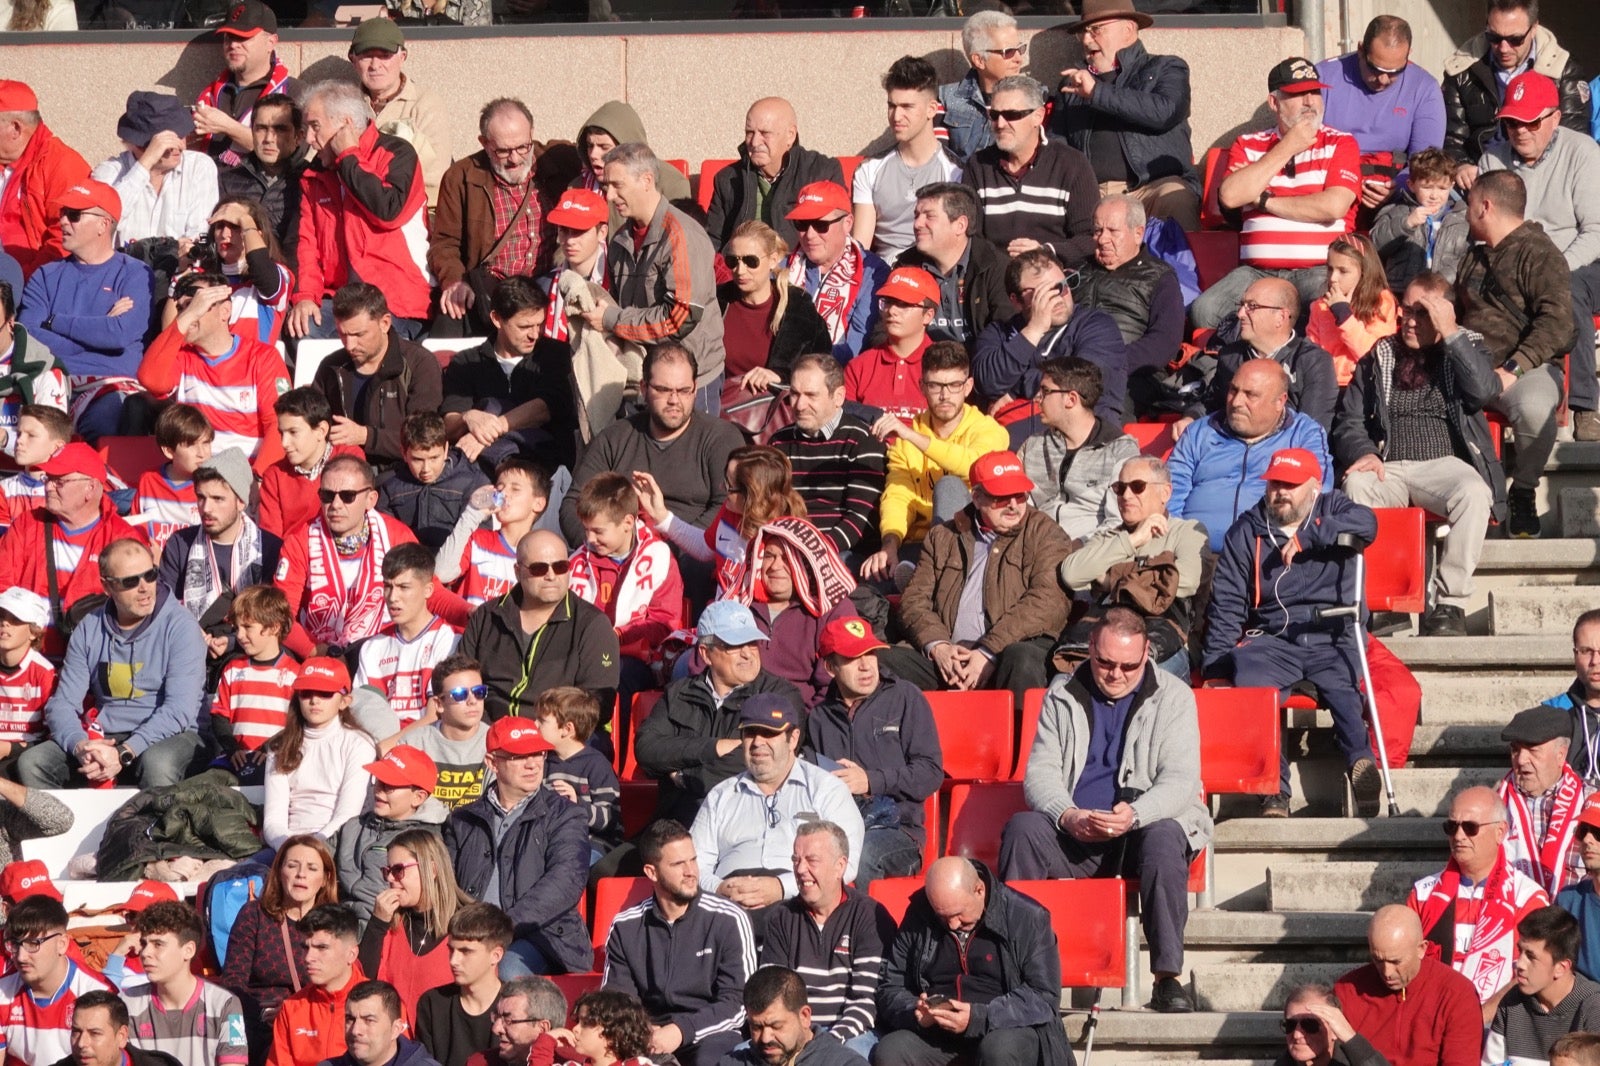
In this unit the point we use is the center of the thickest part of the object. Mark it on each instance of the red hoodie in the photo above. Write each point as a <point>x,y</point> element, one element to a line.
<point>29,227</point>
<point>23,555</point>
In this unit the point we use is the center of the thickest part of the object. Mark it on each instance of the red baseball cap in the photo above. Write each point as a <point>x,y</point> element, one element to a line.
<point>999,474</point>
<point>405,767</point>
<point>517,736</point>
<point>911,285</point>
<point>322,674</point>
<point>1590,814</point>
<point>17,96</point>
<point>848,637</point>
<point>26,877</point>
<point>1294,466</point>
<point>1528,96</point>
<point>148,892</point>
<point>89,195</point>
<point>819,200</point>
<point>579,209</point>
<point>75,458</point>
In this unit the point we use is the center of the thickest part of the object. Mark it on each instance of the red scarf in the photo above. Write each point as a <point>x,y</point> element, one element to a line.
<point>1550,868</point>
<point>836,290</point>
<point>555,316</point>
<point>276,79</point>
<point>642,575</point>
<point>333,612</point>
<point>1493,946</point>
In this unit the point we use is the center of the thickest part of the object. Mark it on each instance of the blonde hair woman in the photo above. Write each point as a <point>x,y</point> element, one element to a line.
<point>407,941</point>
<point>766,323</point>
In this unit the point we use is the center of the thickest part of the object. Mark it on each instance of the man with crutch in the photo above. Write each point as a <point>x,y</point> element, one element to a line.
<point>1285,567</point>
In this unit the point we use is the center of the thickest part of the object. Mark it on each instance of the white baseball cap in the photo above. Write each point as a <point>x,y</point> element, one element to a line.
<point>25,606</point>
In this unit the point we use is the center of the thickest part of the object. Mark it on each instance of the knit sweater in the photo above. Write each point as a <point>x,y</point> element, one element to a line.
<point>259,970</point>
<point>1563,196</point>
<point>1436,1022</point>
<point>1052,201</point>
<point>75,299</point>
<point>840,476</point>
<point>325,791</point>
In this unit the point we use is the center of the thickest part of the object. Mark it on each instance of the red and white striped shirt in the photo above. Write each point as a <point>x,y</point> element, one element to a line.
<point>251,316</point>
<point>23,693</point>
<point>402,669</point>
<point>235,392</point>
<point>1332,162</point>
<point>166,505</point>
<point>255,697</point>
<point>19,492</point>
<point>36,1031</point>
<point>488,567</point>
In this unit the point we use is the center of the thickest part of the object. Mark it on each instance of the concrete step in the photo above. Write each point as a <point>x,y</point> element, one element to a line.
<point>1479,653</point>
<point>1426,790</point>
<point>1326,836</point>
<point>1442,740</point>
<point>1258,986</point>
<point>1543,610</point>
<point>1521,557</point>
<point>1486,698</point>
<point>1356,886</point>
<point>1254,929</point>
<point>1227,1034</point>
<point>1577,511</point>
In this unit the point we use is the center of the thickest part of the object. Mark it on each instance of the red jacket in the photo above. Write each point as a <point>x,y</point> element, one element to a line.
<point>289,498</point>
<point>1436,1022</point>
<point>29,230</point>
<point>22,555</point>
<point>309,1027</point>
<point>366,218</point>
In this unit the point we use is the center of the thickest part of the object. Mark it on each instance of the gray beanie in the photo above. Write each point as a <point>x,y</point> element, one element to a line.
<point>235,470</point>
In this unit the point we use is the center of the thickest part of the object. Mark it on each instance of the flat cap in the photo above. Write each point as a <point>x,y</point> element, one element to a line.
<point>1537,725</point>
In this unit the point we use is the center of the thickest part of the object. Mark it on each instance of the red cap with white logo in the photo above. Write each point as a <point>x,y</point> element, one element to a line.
<point>1000,474</point>
<point>819,200</point>
<point>1293,466</point>
<point>579,209</point>
<point>405,767</point>
<point>517,736</point>
<point>24,878</point>
<point>148,892</point>
<point>1529,96</point>
<point>322,674</point>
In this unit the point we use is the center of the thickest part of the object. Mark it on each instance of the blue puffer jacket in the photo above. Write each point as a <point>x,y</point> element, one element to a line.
<point>1216,477</point>
<point>1148,102</point>
<point>1254,589</point>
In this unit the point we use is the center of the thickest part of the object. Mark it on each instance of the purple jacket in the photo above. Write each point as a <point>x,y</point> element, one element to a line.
<point>1406,117</point>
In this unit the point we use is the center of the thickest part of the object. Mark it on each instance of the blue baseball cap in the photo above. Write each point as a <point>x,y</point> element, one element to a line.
<point>730,622</point>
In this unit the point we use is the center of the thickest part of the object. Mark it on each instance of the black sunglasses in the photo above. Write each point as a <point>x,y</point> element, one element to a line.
<point>821,225</point>
<point>1515,40</point>
<point>1450,825</point>
<point>133,581</point>
<point>343,495</point>
<point>559,567</point>
<point>1010,114</point>
<point>75,215</point>
<point>1305,1023</point>
<point>751,262</point>
<point>1135,486</point>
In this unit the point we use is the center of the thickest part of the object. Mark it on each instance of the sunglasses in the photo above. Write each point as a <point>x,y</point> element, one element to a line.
<point>346,496</point>
<point>1515,41</point>
<point>133,581</point>
<point>819,225</point>
<point>1587,831</point>
<point>1136,487</point>
<point>559,567</point>
<point>1387,72</point>
<point>1010,114</point>
<point>1306,1024</point>
<point>76,215</point>
<point>395,872</point>
<point>1007,53</point>
<point>460,693</point>
<point>751,262</point>
<point>1450,825</point>
<point>1112,666</point>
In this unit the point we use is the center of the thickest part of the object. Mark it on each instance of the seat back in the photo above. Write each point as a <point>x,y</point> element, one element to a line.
<point>637,806</point>
<point>130,457</point>
<point>1027,729</point>
<point>895,894</point>
<point>848,164</point>
<point>1216,252</point>
<point>708,175</point>
<point>612,896</point>
<point>643,704</point>
<point>931,829</point>
<point>1239,740</point>
<point>1091,935</point>
<point>444,349</point>
<point>309,354</point>
<point>1155,438</point>
<point>975,730</point>
<point>1397,578</point>
<point>978,814</point>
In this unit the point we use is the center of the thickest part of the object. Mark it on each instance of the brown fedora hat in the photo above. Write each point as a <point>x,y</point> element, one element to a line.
<point>1101,10</point>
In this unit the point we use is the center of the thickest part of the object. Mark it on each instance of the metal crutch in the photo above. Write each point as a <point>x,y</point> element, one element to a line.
<point>1353,612</point>
<point>1088,1031</point>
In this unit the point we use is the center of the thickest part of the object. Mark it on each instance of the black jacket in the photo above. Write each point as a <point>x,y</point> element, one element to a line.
<point>543,859</point>
<point>474,382</point>
<point>1030,959</point>
<point>175,555</point>
<point>1147,102</point>
<point>891,736</point>
<point>407,381</point>
<point>577,646</point>
<point>279,196</point>
<point>1465,374</point>
<point>984,299</point>
<point>431,510</point>
<point>140,1057</point>
<point>1143,298</point>
<point>410,1053</point>
<point>678,742</point>
<point>801,330</point>
<point>1472,93</point>
<point>1313,383</point>
<point>734,194</point>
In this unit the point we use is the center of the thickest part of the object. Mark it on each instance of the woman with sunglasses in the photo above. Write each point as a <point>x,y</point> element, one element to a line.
<point>265,960</point>
<point>316,768</point>
<point>1316,1032</point>
<point>407,941</point>
<point>241,246</point>
<point>767,323</point>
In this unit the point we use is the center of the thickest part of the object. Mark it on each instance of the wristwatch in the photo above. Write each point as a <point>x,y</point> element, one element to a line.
<point>125,756</point>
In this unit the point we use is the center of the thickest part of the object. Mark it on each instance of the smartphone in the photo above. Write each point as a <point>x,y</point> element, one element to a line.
<point>938,1001</point>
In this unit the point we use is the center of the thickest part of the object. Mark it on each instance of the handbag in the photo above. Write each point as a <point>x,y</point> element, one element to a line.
<point>1148,586</point>
<point>759,416</point>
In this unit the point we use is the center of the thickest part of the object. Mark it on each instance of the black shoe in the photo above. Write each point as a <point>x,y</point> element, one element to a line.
<point>1522,518</point>
<point>1274,806</point>
<point>1444,620</point>
<point>1367,784</point>
<point>1170,998</point>
<point>1388,623</point>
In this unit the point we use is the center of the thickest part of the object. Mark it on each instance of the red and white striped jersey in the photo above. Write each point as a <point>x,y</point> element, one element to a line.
<point>167,506</point>
<point>19,492</point>
<point>1332,162</point>
<point>403,669</point>
<point>249,315</point>
<point>235,392</point>
<point>488,567</point>
<point>23,693</point>
<point>37,1032</point>
<point>255,697</point>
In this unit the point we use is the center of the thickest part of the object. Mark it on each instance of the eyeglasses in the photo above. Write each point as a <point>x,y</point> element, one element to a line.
<point>1010,114</point>
<point>1007,500</point>
<point>1111,666</point>
<point>75,215</point>
<point>1050,390</point>
<point>559,567</point>
<point>51,479</point>
<point>460,693</point>
<point>820,225</point>
<point>1305,1023</point>
<point>662,390</point>
<point>772,811</point>
<point>29,945</point>
<point>133,581</point>
<point>751,262</point>
<point>1518,124</point>
<point>1450,825</point>
<point>346,496</point>
<point>503,1020</point>
<point>944,388</point>
<point>889,303</point>
<point>512,153</point>
<point>1007,53</point>
<point>1250,307</point>
<point>395,872</point>
<point>1495,39</point>
<point>1135,486</point>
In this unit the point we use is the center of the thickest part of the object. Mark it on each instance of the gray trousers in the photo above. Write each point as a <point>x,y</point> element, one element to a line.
<point>1222,299</point>
<point>1448,487</point>
<point>1530,406</point>
<point>46,765</point>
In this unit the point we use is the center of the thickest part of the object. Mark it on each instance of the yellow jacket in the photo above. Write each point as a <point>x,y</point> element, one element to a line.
<point>907,507</point>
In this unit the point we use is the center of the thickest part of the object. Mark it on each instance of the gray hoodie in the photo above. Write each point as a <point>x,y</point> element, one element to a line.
<point>361,849</point>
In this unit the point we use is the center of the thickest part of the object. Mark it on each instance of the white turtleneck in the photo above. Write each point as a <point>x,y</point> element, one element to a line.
<point>326,790</point>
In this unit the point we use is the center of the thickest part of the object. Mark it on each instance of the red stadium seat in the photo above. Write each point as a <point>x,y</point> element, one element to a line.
<point>1211,175</point>
<point>975,730</point>
<point>930,829</point>
<point>573,985</point>
<point>708,173</point>
<point>682,166</point>
<point>1091,935</point>
<point>978,812</point>
<point>1155,438</point>
<point>643,704</point>
<point>612,896</point>
<point>1027,729</point>
<point>895,894</point>
<point>638,806</point>
<point>1216,252</point>
<point>848,164</point>
<point>1397,562</point>
<point>130,457</point>
<point>1239,740</point>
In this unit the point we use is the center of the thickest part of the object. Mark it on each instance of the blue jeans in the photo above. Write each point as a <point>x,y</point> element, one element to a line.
<point>523,959</point>
<point>709,398</point>
<point>46,765</point>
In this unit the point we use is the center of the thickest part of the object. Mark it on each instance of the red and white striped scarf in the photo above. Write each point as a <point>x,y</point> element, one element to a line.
<point>836,290</point>
<point>555,317</point>
<point>1545,861</point>
<point>276,80</point>
<point>335,613</point>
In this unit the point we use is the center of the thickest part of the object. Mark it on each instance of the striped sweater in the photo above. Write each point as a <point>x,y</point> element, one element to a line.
<point>841,477</point>
<point>840,961</point>
<point>1052,201</point>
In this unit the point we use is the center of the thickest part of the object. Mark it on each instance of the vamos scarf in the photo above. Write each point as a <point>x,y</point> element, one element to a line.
<point>820,577</point>
<point>1544,861</point>
<point>1492,948</point>
<point>838,288</point>
<point>335,613</point>
<point>637,584</point>
<point>203,580</point>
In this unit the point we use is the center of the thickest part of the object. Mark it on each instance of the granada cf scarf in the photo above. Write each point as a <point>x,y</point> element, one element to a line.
<point>1545,861</point>
<point>335,613</point>
<point>837,290</point>
<point>1493,946</point>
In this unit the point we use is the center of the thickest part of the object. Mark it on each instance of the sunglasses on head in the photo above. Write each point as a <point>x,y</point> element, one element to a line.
<point>751,262</point>
<point>820,225</point>
<point>1305,1023</point>
<point>559,567</point>
<point>1010,114</point>
<point>133,581</point>
<point>460,693</point>
<point>1514,40</point>
<point>343,495</point>
<point>1450,825</point>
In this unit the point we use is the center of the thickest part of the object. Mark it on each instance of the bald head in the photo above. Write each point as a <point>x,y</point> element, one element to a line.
<point>770,130</point>
<point>955,892</point>
<point>539,555</point>
<point>1267,375</point>
<point>1257,397</point>
<point>1267,313</point>
<point>1395,946</point>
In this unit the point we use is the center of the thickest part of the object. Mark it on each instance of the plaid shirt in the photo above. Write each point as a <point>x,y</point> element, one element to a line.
<point>518,254</point>
<point>1539,815</point>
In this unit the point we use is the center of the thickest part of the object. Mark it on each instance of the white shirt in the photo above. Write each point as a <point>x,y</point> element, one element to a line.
<point>186,200</point>
<point>325,791</point>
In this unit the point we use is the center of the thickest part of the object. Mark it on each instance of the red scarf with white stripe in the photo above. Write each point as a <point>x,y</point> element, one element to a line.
<point>335,613</point>
<point>276,80</point>
<point>555,317</point>
<point>837,289</point>
<point>637,583</point>
<point>1549,866</point>
<point>1493,946</point>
